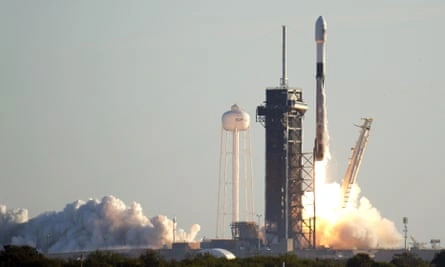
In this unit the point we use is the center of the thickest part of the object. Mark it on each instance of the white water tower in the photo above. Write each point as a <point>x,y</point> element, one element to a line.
<point>235,154</point>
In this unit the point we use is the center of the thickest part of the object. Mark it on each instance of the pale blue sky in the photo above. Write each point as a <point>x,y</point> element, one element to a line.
<point>126,97</point>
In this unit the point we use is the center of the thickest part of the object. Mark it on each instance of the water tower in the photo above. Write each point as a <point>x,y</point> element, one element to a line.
<point>235,159</point>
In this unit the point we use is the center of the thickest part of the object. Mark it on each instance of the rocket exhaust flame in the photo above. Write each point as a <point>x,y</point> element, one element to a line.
<point>90,225</point>
<point>358,226</point>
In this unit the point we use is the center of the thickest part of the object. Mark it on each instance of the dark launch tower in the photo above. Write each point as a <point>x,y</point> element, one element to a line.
<point>287,172</point>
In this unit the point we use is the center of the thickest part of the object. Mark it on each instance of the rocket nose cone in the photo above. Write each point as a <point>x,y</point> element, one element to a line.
<point>321,23</point>
<point>320,29</point>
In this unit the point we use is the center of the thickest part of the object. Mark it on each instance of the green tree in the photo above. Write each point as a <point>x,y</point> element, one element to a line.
<point>152,258</point>
<point>407,259</point>
<point>360,260</point>
<point>439,259</point>
<point>327,263</point>
<point>105,259</point>
<point>290,260</point>
<point>207,260</point>
<point>73,262</point>
<point>25,256</point>
<point>383,264</point>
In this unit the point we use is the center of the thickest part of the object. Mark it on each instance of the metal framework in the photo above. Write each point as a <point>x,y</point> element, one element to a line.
<point>223,214</point>
<point>355,161</point>
<point>306,238</point>
<point>288,170</point>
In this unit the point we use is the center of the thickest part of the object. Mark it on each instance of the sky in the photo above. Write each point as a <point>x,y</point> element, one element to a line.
<point>125,98</point>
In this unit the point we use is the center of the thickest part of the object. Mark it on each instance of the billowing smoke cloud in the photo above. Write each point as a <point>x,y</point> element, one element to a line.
<point>90,225</point>
<point>358,226</point>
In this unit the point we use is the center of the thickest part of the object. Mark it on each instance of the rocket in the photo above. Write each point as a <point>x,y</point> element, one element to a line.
<point>321,134</point>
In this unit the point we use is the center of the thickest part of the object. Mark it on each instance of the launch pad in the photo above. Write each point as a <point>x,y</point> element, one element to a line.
<point>290,218</point>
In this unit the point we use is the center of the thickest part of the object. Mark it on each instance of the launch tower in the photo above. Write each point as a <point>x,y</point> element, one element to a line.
<point>288,169</point>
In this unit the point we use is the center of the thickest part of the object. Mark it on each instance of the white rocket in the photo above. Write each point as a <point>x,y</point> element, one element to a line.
<point>321,134</point>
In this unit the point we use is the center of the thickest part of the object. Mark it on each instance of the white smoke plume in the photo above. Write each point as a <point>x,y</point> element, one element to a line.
<point>358,226</point>
<point>90,225</point>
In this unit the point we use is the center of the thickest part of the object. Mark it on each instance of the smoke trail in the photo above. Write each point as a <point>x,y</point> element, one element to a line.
<point>88,226</point>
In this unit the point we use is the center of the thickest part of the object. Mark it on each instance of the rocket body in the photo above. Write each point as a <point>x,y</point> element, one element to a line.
<point>321,134</point>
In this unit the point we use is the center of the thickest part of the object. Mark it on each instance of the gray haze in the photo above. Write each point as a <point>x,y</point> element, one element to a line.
<point>125,98</point>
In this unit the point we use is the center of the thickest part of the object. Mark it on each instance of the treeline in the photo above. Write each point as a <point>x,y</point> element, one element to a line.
<point>25,256</point>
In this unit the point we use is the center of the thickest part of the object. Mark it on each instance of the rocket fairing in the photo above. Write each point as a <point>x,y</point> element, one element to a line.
<point>321,135</point>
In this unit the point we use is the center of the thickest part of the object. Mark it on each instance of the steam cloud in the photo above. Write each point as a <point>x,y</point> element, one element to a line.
<point>88,226</point>
<point>358,226</point>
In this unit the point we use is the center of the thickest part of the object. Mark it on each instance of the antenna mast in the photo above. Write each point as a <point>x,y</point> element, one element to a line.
<point>283,81</point>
